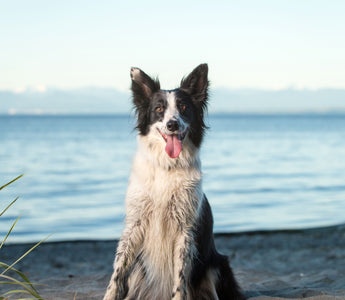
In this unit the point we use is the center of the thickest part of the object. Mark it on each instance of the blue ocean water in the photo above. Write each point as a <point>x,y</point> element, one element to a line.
<point>260,172</point>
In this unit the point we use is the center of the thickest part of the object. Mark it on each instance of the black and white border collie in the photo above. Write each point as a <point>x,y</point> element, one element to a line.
<point>167,249</point>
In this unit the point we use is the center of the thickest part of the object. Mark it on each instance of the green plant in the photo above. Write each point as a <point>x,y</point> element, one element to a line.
<point>21,283</point>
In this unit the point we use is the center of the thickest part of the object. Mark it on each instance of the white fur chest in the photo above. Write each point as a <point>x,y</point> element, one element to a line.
<point>158,186</point>
<point>168,200</point>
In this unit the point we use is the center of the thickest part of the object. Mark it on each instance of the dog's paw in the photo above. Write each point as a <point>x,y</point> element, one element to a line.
<point>177,295</point>
<point>115,294</point>
<point>117,288</point>
<point>110,293</point>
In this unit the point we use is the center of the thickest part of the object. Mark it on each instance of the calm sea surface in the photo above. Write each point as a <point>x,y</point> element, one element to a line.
<point>260,172</point>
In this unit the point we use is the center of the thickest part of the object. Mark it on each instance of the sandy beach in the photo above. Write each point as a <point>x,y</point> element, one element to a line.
<point>268,265</point>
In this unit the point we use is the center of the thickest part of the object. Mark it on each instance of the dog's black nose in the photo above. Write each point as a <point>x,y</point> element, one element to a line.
<point>172,125</point>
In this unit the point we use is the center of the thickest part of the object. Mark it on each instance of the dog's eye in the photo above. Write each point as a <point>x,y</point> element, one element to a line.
<point>183,107</point>
<point>159,109</point>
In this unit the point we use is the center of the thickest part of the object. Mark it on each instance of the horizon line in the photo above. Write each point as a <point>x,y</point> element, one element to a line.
<point>331,112</point>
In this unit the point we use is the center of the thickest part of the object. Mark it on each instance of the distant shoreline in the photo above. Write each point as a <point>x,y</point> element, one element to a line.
<point>330,113</point>
<point>222,99</point>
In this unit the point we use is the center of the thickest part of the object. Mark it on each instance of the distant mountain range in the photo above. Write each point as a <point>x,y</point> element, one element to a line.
<point>112,101</point>
<point>55,101</point>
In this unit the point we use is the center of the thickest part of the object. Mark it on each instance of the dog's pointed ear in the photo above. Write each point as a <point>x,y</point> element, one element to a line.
<point>196,83</point>
<point>143,86</point>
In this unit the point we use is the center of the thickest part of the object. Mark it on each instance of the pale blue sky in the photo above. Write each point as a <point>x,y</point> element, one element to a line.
<point>256,44</point>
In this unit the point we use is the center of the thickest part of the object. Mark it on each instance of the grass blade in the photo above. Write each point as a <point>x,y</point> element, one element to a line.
<point>23,284</point>
<point>16,292</point>
<point>8,206</point>
<point>9,282</point>
<point>11,181</point>
<point>8,233</point>
<point>25,254</point>
<point>27,289</point>
<point>22,275</point>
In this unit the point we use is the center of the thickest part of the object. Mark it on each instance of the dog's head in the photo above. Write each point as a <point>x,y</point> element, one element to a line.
<point>173,115</point>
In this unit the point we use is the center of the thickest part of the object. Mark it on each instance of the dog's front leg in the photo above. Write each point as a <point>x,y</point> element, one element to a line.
<point>129,243</point>
<point>183,256</point>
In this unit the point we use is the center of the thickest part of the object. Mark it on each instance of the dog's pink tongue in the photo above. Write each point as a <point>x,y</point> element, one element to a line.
<point>173,146</point>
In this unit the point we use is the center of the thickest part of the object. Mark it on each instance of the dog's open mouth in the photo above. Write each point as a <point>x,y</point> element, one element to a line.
<point>174,143</point>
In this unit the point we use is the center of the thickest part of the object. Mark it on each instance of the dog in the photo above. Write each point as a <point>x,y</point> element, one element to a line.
<point>167,249</point>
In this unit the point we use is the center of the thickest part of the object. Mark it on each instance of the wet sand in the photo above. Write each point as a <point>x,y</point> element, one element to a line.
<point>268,265</point>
